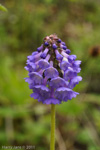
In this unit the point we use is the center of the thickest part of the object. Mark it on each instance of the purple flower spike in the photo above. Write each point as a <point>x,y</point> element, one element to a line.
<point>62,92</point>
<point>53,72</point>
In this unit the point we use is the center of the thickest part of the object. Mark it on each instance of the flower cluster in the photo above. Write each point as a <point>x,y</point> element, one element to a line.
<point>53,72</point>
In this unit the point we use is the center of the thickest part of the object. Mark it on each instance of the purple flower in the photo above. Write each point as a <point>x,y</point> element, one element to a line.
<point>64,47</point>
<point>65,94</point>
<point>53,72</point>
<point>46,43</point>
<point>40,92</point>
<point>51,101</point>
<point>34,79</point>
<point>59,41</point>
<point>69,74</point>
<point>58,55</point>
<point>43,64</point>
<point>74,81</point>
<point>64,65</point>
<point>44,54</point>
<point>39,49</point>
<point>54,46</point>
<point>58,82</point>
<point>68,51</point>
<point>71,58</point>
<point>63,43</point>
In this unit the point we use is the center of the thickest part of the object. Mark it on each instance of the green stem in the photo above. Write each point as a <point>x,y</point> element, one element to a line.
<point>52,143</point>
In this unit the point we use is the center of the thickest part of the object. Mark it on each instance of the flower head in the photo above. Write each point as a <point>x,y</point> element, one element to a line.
<point>53,72</point>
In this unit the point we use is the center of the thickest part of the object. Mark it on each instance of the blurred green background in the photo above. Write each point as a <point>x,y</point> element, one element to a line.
<point>24,121</point>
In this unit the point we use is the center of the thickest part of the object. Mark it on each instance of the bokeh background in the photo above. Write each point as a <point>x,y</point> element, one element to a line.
<point>24,121</point>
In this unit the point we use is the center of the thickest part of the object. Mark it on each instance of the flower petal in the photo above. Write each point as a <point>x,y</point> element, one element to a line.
<point>28,80</point>
<point>57,82</point>
<point>42,91</point>
<point>64,94</point>
<point>71,58</point>
<point>51,101</point>
<point>64,65</point>
<point>69,74</point>
<point>70,95</point>
<point>74,81</point>
<point>51,73</point>
<point>36,78</point>
<point>43,64</point>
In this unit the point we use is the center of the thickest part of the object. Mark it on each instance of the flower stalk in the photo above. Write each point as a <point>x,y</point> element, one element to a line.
<point>52,143</point>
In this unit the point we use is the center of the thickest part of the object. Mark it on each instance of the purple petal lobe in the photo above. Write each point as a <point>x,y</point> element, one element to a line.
<point>64,65</point>
<point>46,43</point>
<point>51,101</point>
<point>59,41</point>
<point>75,81</point>
<point>65,54</point>
<point>68,51</point>
<point>71,58</point>
<point>51,72</point>
<point>69,74</point>
<point>64,47</point>
<point>77,63</point>
<point>43,64</point>
<point>30,67</point>
<point>58,55</point>
<point>63,43</point>
<point>60,93</point>
<point>76,66</point>
<point>35,95</point>
<point>65,94</point>
<point>36,78</point>
<point>43,55</point>
<point>39,49</point>
<point>57,82</point>
<point>54,46</point>
<point>28,80</point>
<point>42,91</point>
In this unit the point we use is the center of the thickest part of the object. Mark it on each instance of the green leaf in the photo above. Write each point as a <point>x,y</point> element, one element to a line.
<point>2,8</point>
